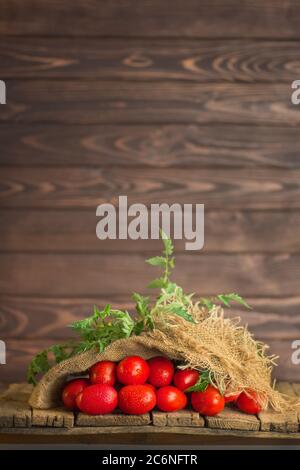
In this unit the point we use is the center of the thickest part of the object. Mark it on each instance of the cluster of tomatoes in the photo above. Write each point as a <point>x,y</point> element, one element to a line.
<point>137,386</point>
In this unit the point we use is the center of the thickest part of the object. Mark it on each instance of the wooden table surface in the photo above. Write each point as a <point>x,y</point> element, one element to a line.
<point>19,424</point>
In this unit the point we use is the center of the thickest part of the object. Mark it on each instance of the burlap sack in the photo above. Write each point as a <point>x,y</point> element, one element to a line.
<point>213,343</point>
<point>47,394</point>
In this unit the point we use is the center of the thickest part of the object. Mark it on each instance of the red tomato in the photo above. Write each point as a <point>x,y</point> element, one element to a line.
<point>133,370</point>
<point>209,403</point>
<point>232,397</point>
<point>161,371</point>
<point>170,399</point>
<point>137,399</point>
<point>98,399</point>
<point>103,372</point>
<point>248,402</point>
<point>70,392</point>
<point>151,386</point>
<point>184,379</point>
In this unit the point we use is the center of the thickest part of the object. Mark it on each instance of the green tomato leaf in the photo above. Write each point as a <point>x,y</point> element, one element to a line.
<point>39,365</point>
<point>168,245</point>
<point>202,384</point>
<point>232,297</point>
<point>181,312</point>
<point>157,261</point>
<point>157,284</point>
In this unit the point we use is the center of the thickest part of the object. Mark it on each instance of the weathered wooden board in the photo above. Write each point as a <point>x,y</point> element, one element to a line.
<point>279,422</point>
<point>87,274</point>
<point>233,419</point>
<point>149,435</point>
<point>114,419</point>
<point>158,146</point>
<point>14,414</point>
<point>114,102</point>
<point>56,418</point>
<point>46,317</point>
<point>149,59</point>
<point>271,421</point>
<point>74,231</point>
<point>208,18</point>
<point>15,411</point>
<point>86,188</point>
<point>178,418</point>
<point>17,392</point>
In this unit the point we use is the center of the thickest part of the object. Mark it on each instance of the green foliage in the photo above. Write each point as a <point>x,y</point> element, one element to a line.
<point>108,325</point>
<point>181,312</point>
<point>203,382</point>
<point>158,283</point>
<point>39,365</point>
<point>224,299</point>
<point>96,331</point>
<point>167,262</point>
<point>142,307</point>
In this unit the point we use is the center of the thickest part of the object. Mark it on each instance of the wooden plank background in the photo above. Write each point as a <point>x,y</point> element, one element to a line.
<point>181,101</point>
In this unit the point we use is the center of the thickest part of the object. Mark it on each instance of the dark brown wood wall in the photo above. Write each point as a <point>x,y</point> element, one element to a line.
<point>181,101</point>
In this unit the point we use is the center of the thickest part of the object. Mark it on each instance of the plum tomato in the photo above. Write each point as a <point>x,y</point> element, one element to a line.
<point>133,370</point>
<point>184,379</point>
<point>161,371</point>
<point>248,402</point>
<point>170,398</point>
<point>232,397</point>
<point>137,399</point>
<point>98,399</point>
<point>209,403</point>
<point>103,372</point>
<point>71,390</point>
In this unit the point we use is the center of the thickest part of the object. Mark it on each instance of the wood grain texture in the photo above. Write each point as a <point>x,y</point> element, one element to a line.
<point>271,421</point>
<point>188,103</point>
<point>233,419</point>
<point>166,146</point>
<point>74,231</point>
<point>208,18</point>
<point>146,435</point>
<point>113,419</point>
<point>65,188</point>
<point>17,392</point>
<point>54,418</point>
<point>37,317</point>
<point>156,437</point>
<point>92,274</point>
<point>116,102</point>
<point>20,353</point>
<point>152,59</point>
<point>14,414</point>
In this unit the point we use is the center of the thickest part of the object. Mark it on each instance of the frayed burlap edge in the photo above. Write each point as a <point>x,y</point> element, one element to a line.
<point>47,393</point>
<point>221,345</point>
